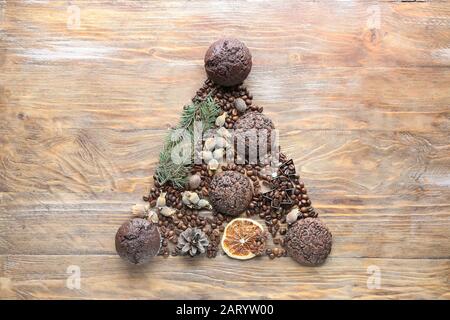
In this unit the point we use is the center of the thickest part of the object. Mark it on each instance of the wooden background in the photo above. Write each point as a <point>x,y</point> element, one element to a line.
<point>359,90</point>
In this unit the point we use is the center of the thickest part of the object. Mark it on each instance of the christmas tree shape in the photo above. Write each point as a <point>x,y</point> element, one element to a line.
<point>222,181</point>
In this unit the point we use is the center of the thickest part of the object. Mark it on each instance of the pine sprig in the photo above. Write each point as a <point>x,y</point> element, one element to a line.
<point>167,171</point>
<point>206,111</point>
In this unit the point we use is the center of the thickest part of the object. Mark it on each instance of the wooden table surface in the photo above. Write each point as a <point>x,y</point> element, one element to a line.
<point>359,90</point>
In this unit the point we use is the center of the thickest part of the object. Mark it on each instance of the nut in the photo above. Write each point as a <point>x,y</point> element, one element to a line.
<point>221,142</point>
<point>153,216</point>
<point>207,156</point>
<point>140,210</point>
<point>240,105</point>
<point>194,198</point>
<point>220,121</point>
<point>203,203</point>
<point>213,164</point>
<point>194,181</point>
<point>210,143</point>
<point>167,211</point>
<point>292,216</point>
<point>218,154</point>
<point>224,133</point>
<point>185,198</point>
<point>161,201</point>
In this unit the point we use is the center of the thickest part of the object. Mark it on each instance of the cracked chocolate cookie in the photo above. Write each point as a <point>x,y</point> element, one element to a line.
<point>228,62</point>
<point>249,130</point>
<point>138,240</point>
<point>308,242</point>
<point>230,193</point>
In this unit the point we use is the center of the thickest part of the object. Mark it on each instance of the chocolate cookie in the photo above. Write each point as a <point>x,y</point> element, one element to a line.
<point>249,129</point>
<point>308,241</point>
<point>228,62</point>
<point>138,240</point>
<point>230,193</point>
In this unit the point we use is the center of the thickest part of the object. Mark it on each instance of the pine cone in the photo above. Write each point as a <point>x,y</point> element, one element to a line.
<point>192,241</point>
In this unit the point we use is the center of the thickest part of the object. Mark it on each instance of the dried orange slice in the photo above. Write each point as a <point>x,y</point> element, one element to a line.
<point>243,238</point>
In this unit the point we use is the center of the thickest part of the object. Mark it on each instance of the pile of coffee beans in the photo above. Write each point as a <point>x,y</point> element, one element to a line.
<point>286,190</point>
<point>225,98</point>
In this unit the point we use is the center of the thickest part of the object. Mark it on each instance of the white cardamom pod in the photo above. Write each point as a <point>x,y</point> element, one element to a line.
<point>161,201</point>
<point>220,121</point>
<point>207,156</point>
<point>140,210</point>
<point>292,216</point>
<point>185,198</point>
<point>210,143</point>
<point>221,142</point>
<point>153,216</point>
<point>194,198</point>
<point>224,133</point>
<point>203,203</point>
<point>218,154</point>
<point>167,211</point>
<point>213,165</point>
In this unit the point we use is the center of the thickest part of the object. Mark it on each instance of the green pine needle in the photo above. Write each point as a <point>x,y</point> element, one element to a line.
<point>167,171</point>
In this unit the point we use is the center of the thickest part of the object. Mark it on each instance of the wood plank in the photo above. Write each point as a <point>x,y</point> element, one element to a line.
<point>40,158</point>
<point>361,226</point>
<point>287,32</point>
<point>108,277</point>
<point>339,98</point>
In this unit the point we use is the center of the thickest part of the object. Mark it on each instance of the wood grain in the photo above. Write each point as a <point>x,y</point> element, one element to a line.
<point>362,105</point>
<point>34,277</point>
